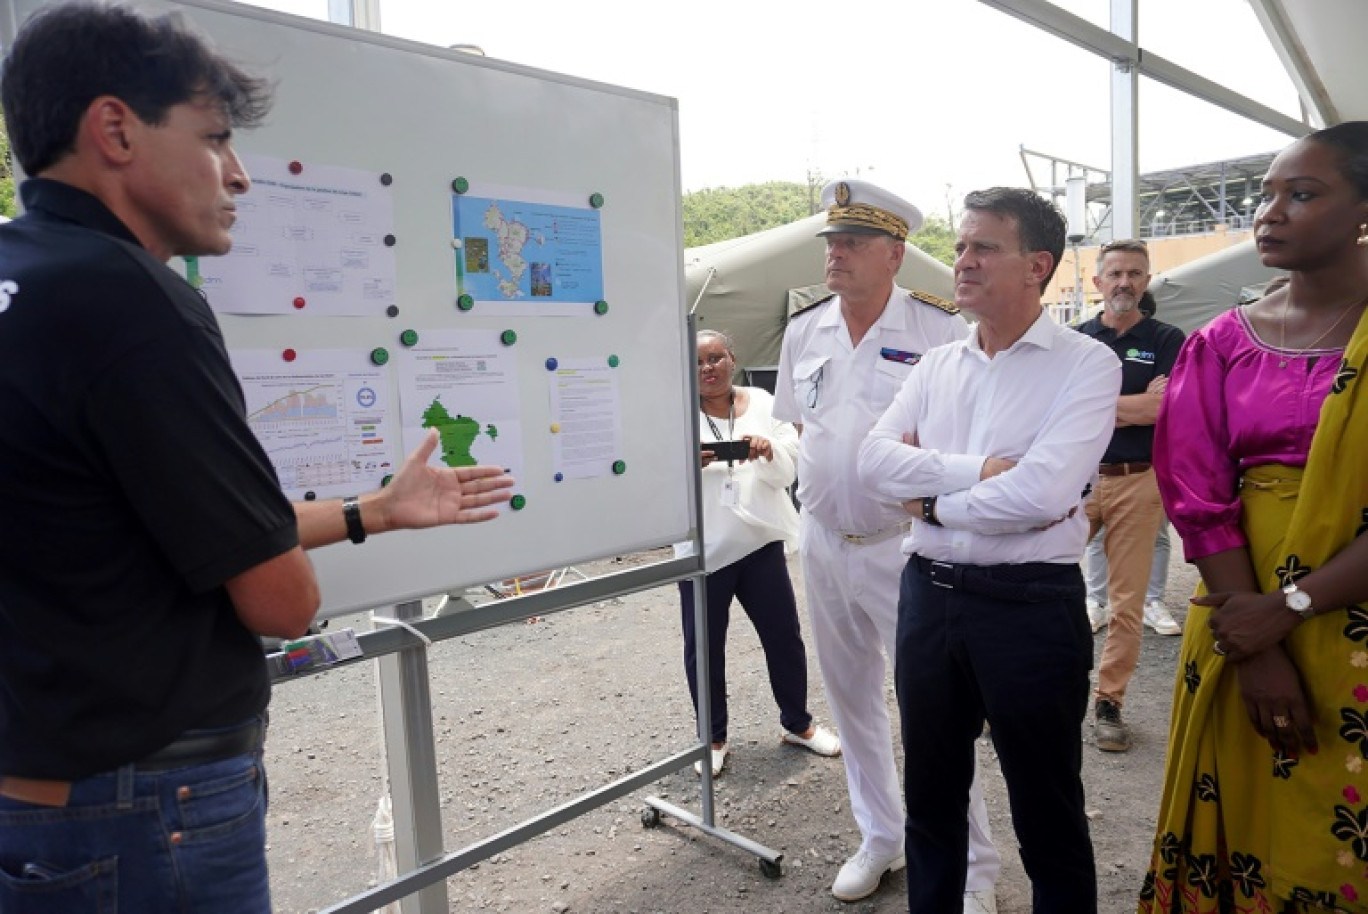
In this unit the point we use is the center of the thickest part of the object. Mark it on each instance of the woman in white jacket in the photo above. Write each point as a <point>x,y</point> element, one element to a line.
<point>748,522</point>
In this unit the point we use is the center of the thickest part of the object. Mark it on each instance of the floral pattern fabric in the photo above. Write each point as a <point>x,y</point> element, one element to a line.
<point>1243,828</point>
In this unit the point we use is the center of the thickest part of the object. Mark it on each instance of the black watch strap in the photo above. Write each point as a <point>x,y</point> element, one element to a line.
<point>351,512</point>
<point>929,511</point>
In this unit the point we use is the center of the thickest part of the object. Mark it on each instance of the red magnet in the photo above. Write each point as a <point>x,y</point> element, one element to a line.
<point>289,355</point>
<point>296,167</point>
<point>299,302</point>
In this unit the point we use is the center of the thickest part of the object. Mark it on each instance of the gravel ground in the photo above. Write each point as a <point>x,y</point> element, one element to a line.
<point>529,716</point>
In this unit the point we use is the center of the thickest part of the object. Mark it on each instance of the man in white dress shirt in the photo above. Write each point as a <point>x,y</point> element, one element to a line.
<point>992,446</point>
<point>842,361</point>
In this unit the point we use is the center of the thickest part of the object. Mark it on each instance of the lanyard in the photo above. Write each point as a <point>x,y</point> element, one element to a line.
<point>731,422</point>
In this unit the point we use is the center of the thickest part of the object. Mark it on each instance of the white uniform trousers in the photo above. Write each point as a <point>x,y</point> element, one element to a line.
<point>852,598</point>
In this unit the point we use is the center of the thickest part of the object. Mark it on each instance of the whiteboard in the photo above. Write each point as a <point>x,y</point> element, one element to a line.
<point>426,116</point>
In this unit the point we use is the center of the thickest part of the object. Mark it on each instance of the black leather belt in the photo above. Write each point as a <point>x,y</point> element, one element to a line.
<point>194,747</point>
<point>1027,582</point>
<point>201,747</point>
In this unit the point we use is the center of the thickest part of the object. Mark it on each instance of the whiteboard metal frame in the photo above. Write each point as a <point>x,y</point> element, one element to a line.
<point>405,693</point>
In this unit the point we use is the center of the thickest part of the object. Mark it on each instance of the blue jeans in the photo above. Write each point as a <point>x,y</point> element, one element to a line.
<point>188,840</point>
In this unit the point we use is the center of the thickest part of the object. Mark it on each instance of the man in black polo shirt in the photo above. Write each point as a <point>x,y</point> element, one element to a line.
<point>146,543</point>
<point>1126,498</point>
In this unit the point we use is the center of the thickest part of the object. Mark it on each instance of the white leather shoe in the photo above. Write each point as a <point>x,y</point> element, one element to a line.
<point>984,902</point>
<point>822,741</point>
<point>719,758</point>
<point>860,875</point>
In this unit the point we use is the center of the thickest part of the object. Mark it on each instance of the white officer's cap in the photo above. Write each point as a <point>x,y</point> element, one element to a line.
<point>860,208</point>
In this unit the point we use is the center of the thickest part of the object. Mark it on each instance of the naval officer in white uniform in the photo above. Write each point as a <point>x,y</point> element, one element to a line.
<point>843,359</point>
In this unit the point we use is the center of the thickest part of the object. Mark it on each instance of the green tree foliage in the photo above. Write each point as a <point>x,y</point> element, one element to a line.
<point>721,213</point>
<point>936,238</point>
<point>6,173</point>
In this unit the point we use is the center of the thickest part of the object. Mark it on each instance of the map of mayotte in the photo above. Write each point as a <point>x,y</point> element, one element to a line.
<point>512,236</point>
<point>457,434</point>
<point>513,250</point>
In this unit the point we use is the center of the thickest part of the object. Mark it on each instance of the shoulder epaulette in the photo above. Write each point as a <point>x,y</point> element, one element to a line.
<point>934,301</point>
<point>812,307</point>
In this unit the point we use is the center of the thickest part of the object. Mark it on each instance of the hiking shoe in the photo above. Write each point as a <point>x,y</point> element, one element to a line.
<point>1097,615</point>
<point>1109,731</point>
<point>1160,619</point>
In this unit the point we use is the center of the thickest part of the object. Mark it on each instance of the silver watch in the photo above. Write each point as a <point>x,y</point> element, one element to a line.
<point>1297,600</point>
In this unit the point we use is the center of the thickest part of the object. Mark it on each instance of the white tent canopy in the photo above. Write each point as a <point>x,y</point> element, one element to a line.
<point>747,287</point>
<point>1320,43</point>
<point>1191,295</point>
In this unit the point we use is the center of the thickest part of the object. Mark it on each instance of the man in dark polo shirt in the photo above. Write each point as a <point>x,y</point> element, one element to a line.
<point>1125,500</point>
<point>146,543</point>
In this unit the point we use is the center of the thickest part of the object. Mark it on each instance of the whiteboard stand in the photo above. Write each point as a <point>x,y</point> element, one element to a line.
<point>650,816</point>
<point>409,739</point>
<point>770,860</point>
<point>410,754</point>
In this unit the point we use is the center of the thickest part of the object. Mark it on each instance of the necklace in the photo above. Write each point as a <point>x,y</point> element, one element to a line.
<point>1295,353</point>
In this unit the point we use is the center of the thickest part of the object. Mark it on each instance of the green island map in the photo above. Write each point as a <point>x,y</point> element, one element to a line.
<point>456,433</point>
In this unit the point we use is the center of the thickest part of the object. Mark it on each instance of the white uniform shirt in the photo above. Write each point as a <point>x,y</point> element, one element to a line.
<point>837,392</point>
<point>1048,402</point>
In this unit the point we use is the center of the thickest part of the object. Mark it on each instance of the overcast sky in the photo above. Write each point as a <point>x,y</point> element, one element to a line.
<point>923,96</point>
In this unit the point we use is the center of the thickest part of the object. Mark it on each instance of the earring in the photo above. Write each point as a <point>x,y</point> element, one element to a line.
<point>1363,235</point>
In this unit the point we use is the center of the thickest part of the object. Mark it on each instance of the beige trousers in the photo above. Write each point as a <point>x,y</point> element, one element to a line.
<point>1129,508</point>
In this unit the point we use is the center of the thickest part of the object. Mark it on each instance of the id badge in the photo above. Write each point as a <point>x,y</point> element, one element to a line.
<point>731,493</point>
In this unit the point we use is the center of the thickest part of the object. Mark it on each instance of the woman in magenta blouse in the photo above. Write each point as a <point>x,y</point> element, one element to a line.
<point>1261,451</point>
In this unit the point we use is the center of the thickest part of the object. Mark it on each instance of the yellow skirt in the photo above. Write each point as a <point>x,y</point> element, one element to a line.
<point>1242,828</point>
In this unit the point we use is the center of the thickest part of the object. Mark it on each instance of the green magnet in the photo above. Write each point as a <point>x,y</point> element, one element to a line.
<point>613,361</point>
<point>508,337</point>
<point>619,467</point>
<point>465,302</point>
<point>460,185</point>
<point>596,201</point>
<point>409,337</point>
<point>379,355</point>
<point>517,502</point>
<point>600,307</point>
<point>386,481</point>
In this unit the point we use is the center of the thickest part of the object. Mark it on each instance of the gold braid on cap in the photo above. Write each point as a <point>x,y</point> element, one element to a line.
<point>868,216</point>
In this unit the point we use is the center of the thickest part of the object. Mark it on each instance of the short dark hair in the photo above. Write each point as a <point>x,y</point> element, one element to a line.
<point>1040,224</point>
<point>68,55</point>
<point>1350,140</point>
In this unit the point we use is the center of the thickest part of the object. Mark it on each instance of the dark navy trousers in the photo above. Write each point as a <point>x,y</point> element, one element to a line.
<point>760,581</point>
<point>1010,644</point>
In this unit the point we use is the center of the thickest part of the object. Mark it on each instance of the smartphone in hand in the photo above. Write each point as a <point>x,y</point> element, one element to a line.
<point>727,450</point>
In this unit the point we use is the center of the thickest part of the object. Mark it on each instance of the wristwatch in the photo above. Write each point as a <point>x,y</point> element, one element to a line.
<point>351,513</point>
<point>929,511</point>
<point>1297,600</point>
